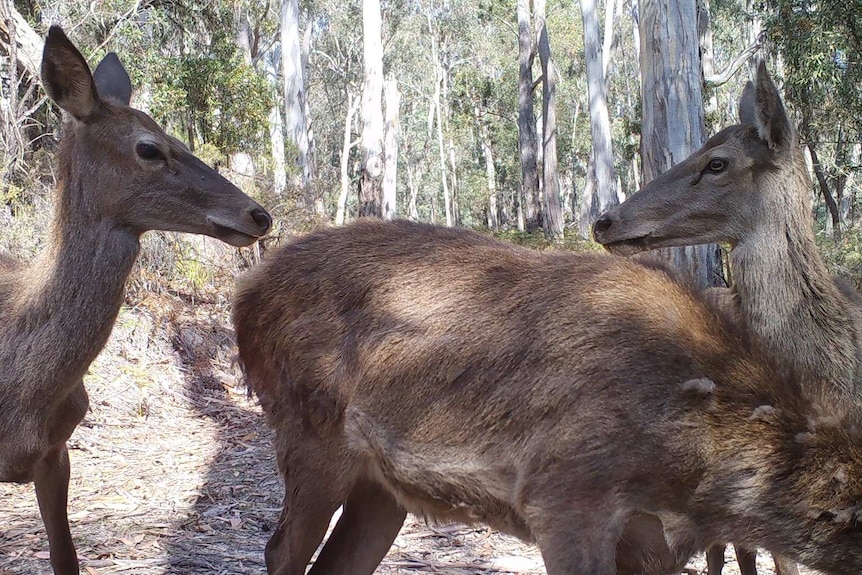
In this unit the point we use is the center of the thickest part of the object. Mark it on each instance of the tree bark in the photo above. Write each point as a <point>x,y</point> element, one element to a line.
<point>393,101</point>
<point>28,44</point>
<point>371,187</point>
<point>295,112</point>
<point>600,124</point>
<point>490,170</point>
<point>276,126</point>
<point>527,144</point>
<point>346,145</point>
<point>827,193</point>
<point>672,119</point>
<point>553,202</point>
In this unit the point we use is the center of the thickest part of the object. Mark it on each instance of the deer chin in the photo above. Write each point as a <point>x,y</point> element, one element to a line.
<point>231,235</point>
<point>630,246</point>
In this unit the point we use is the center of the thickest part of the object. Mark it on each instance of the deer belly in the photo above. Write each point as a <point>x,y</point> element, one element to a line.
<point>441,483</point>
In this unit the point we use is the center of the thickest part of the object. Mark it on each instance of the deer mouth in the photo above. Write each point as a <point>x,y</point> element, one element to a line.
<point>630,246</point>
<point>232,236</point>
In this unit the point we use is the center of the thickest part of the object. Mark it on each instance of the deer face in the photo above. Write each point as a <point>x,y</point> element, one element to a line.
<point>742,178</point>
<point>128,168</point>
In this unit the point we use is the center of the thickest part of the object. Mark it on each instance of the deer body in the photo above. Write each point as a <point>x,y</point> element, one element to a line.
<point>121,175</point>
<point>570,400</point>
<point>749,186</point>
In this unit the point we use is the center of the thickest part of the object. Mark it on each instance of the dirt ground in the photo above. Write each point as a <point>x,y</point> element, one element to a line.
<point>172,470</point>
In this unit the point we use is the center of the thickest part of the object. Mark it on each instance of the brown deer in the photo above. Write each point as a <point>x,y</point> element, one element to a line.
<point>121,175</point>
<point>749,186</point>
<point>594,405</point>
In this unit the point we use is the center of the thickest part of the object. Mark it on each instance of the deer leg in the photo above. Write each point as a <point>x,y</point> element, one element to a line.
<point>317,480</point>
<point>715,559</point>
<point>51,479</point>
<point>577,537</point>
<point>369,522</point>
<point>784,566</point>
<point>747,560</point>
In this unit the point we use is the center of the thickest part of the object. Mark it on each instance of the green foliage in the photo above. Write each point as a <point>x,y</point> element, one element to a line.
<point>224,98</point>
<point>821,44</point>
<point>844,258</point>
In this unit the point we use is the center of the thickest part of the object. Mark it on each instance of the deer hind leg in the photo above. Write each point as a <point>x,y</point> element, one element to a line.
<point>747,560</point>
<point>51,479</point>
<point>317,480</point>
<point>715,559</point>
<point>577,537</point>
<point>785,566</point>
<point>364,533</point>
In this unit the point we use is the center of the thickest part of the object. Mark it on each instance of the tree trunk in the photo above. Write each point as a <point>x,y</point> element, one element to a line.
<point>28,44</point>
<point>371,187</point>
<point>346,145</point>
<point>671,78</point>
<point>490,170</point>
<point>527,144</point>
<point>393,101</point>
<point>444,178</point>
<point>827,193</point>
<point>608,42</point>
<point>553,220</point>
<point>295,113</point>
<point>600,125</point>
<point>276,126</point>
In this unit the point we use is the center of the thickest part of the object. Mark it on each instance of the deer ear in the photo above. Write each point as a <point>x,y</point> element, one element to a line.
<point>771,119</point>
<point>66,76</point>
<point>112,80</point>
<point>746,105</point>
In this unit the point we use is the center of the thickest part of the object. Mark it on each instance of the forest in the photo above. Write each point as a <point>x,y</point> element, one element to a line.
<point>520,117</point>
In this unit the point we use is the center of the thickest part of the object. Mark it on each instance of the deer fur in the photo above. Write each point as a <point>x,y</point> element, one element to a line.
<point>120,175</point>
<point>596,406</point>
<point>749,186</point>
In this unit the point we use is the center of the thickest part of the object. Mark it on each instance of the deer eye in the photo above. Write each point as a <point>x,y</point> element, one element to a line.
<point>717,165</point>
<point>149,151</point>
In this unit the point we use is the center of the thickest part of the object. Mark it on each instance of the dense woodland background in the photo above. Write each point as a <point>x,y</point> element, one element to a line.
<point>523,117</point>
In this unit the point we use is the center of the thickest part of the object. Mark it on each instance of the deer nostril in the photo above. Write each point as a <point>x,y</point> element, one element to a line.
<point>602,224</point>
<point>262,218</point>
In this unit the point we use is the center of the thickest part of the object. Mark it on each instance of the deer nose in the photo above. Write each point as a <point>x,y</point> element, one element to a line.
<point>262,218</point>
<point>602,224</point>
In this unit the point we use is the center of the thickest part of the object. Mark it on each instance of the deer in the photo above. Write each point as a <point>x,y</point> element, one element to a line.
<point>748,186</point>
<point>120,176</point>
<point>599,407</point>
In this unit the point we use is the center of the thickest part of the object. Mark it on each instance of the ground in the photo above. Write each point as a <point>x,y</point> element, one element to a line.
<point>172,470</point>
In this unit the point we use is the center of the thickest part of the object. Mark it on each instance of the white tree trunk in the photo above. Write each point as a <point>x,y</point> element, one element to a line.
<point>608,41</point>
<point>600,125</point>
<point>347,144</point>
<point>490,170</point>
<point>393,101</point>
<point>672,119</point>
<point>527,142</point>
<point>294,94</point>
<point>553,220</point>
<point>276,126</point>
<point>372,111</point>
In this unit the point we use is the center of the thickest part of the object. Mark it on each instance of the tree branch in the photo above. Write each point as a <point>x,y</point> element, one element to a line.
<point>722,77</point>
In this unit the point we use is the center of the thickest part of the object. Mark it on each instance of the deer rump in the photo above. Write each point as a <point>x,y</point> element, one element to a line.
<point>478,381</point>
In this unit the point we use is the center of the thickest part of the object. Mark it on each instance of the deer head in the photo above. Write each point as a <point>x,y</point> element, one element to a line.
<point>121,167</point>
<point>743,178</point>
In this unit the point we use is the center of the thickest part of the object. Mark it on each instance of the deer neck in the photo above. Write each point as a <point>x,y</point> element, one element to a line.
<point>71,297</point>
<point>791,304</point>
